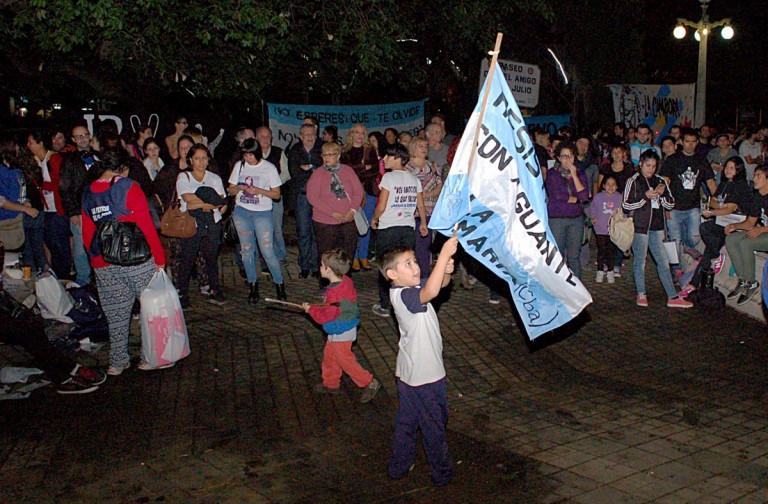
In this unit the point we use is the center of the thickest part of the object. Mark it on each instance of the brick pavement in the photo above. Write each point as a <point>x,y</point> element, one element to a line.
<point>628,405</point>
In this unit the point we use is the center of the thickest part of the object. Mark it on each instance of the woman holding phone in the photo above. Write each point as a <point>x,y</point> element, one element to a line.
<point>647,197</point>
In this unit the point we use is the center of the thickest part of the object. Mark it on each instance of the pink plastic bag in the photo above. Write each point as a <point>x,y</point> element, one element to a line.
<point>164,335</point>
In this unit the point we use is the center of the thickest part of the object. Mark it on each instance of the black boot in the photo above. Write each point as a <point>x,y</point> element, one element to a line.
<point>253,295</point>
<point>280,292</point>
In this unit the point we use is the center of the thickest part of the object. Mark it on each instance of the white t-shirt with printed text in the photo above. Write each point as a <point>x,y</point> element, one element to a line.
<point>404,189</point>
<point>263,175</point>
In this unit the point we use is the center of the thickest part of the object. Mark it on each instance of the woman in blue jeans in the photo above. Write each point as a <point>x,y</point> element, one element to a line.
<point>647,196</point>
<point>568,190</point>
<point>255,183</point>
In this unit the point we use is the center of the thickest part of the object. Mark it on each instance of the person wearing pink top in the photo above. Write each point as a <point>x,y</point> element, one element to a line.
<point>335,193</point>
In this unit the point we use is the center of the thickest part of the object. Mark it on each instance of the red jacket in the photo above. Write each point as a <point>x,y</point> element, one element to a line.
<point>54,170</point>
<point>136,203</point>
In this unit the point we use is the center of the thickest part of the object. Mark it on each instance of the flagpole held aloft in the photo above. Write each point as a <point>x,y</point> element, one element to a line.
<point>487,92</point>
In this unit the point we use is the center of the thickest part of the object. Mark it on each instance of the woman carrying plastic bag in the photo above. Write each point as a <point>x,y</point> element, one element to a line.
<point>123,247</point>
<point>164,336</point>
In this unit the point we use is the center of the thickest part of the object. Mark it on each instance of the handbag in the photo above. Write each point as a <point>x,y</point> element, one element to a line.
<point>122,243</point>
<point>361,221</point>
<point>621,229</point>
<point>12,232</point>
<point>177,224</point>
<point>229,233</point>
<point>670,247</point>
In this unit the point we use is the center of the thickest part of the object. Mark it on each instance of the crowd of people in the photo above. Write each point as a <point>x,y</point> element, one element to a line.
<point>701,188</point>
<point>394,179</point>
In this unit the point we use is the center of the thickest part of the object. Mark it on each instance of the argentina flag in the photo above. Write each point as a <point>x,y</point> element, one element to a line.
<point>501,212</point>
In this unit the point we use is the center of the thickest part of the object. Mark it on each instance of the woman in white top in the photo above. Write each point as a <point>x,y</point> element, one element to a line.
<point>201,192</point>
<point>254,183</point>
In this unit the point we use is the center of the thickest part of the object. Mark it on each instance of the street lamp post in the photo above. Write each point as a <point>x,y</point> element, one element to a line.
<point>703,29</point>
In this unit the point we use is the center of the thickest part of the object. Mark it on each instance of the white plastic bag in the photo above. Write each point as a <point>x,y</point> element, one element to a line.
<point>164,335</point>
<point>54,301</point>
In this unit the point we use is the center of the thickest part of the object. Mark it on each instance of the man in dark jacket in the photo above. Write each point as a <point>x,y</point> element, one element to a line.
<point>303,159</point>
<point>74,170</point>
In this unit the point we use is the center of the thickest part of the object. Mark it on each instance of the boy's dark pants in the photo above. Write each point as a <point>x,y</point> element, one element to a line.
<point>426,408</point>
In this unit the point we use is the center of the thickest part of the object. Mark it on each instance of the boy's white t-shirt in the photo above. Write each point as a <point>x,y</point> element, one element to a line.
<point>404,189</point>
<point>186,183</point>
<point>420,355</point>
<point>263,175</point>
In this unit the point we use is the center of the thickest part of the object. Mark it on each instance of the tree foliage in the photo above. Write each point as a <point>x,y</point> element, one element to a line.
<point>248,49</point>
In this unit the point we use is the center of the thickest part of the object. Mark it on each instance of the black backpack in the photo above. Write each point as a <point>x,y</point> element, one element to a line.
<point>707,298</point>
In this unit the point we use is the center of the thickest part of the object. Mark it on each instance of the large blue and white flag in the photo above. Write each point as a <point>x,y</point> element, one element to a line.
<point>501,212</point>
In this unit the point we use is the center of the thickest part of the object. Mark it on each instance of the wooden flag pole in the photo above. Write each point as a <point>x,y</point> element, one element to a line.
<point>492,69</point>
<point>296,305</point>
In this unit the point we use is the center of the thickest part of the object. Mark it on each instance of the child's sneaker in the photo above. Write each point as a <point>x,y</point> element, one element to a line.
<point>678,302</point>
<point>600,276</point>
<point>610,277</point>
<point>717,263</point>
<point>641,300</point>
<point>321,389</point>
<point>380,311</point>
<point>616,272</point>
<point>370,391</point>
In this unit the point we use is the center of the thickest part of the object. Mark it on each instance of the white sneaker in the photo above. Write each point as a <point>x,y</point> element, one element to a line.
<point>610,277</point>
<point>600,276</point>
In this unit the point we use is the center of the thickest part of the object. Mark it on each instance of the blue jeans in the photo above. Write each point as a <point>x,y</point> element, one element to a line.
<point>279,242</point>
<point>34,244</point>
<point>684,227</point>
<point>306,234</point>
<point>82,265</point>
<point>640,246</point>
<point>253,227</point>
<point>364,244</point>
<point>56,237</point>
<point>568,234</point>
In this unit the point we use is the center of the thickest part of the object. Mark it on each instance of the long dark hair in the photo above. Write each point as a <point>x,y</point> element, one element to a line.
<point>115,160</point>
<point>741,170</point>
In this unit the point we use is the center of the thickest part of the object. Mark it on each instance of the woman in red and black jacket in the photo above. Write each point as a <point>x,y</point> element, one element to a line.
<point>56,221</point>
<point>111,196</point>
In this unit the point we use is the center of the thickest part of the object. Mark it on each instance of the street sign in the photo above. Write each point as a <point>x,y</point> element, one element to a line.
<point>523,80</point>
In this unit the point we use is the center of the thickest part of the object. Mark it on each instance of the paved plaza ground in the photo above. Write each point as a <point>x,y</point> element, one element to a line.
<point>628,404</point>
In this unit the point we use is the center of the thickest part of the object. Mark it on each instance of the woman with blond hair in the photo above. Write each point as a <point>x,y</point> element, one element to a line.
<point>358,153</point>
<point>428,174</point>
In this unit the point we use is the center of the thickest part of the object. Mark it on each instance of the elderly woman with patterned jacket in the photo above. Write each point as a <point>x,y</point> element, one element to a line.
<point>335,193</point>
